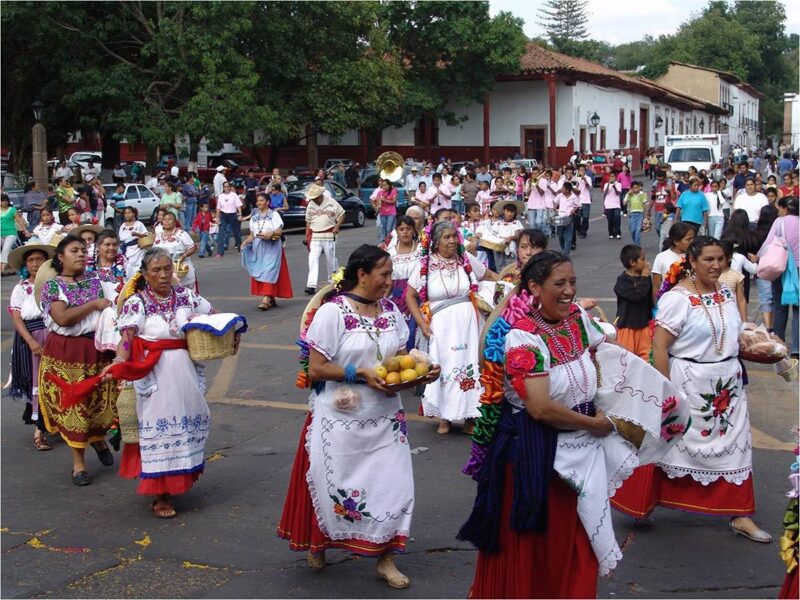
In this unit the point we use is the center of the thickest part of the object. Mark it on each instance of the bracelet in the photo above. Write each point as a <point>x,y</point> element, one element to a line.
<point>350,374</point>
<point>118,360</point>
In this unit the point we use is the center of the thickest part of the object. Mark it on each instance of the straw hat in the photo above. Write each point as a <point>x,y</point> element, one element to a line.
<point>314,303</point>
<point>77,231</point>
<point>315,191</point>
<point>16,260</point>
<point>500,205</point>
<point>46,273</point>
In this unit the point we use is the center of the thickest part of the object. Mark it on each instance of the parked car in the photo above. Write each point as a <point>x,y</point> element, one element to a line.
<point>331,163</point>
<point>137,196</point>
<point>296,198</point>
<point>369,182</point>
<point>528,163</point>
<point>81,159</point>
<point>598,165</point>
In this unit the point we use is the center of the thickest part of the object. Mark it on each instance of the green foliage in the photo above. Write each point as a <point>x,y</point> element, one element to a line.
<point>565,21</point>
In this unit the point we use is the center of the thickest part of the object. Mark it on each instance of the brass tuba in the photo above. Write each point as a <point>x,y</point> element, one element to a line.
<point>390,166</point>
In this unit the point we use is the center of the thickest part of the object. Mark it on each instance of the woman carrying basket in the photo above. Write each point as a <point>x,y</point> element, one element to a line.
<point>174,418</point>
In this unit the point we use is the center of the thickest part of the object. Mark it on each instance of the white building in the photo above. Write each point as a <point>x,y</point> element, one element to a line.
<point>791,120</point>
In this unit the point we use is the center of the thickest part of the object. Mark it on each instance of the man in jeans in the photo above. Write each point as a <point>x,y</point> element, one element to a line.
<point>324,216</point>
<point>229,216</point>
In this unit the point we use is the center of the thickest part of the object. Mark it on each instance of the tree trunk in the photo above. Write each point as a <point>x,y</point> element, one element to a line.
<point>194,149</point>
<point>151,158</point>
<point>311,147</point>
<point>274,151</point>
<point>372,143</point>
<point>110,148</point>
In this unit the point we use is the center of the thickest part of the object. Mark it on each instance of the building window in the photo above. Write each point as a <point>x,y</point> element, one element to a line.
<point>621,127</point>
<point>419,131</point>
<point>632,128</point>
<point>603,139</point>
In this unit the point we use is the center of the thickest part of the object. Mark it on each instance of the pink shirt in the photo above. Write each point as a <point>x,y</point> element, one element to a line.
<point>388,208</point>
<point>541,195</point>
<point>566,205</point>
<point>611,199</point>
<point>624,179</point>
<point>791,233</point>
<point>484,198</point>
<point>228,202</point>
<point>441,197</point>
<point>585,189</point>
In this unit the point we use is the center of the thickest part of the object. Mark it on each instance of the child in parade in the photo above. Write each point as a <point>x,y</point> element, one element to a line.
<point>634,291</point>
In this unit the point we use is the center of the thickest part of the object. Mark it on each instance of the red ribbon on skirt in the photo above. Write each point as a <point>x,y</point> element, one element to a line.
<point>137,366</point>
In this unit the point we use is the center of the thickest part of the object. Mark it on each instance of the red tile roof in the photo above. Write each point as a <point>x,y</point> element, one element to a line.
<point>538,62</point>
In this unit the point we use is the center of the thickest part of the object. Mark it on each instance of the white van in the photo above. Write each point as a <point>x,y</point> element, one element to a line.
<point>702,151</point>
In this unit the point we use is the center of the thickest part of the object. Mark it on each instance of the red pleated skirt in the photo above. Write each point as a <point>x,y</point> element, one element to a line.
<point>649,487</point>
<point>790,586</point>
<point>280,289</point>
<point>130,467</point>
<point>298,522</point>
<point>557,564</point>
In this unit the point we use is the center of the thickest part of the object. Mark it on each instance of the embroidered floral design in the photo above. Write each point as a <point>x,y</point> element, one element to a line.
<point>710,300</point>
<point>350,506</point>
<point>718,407</point>
<point>400,430</point>
<point>350,322</point>
<point>381,323</point>
<point>523,362</point>
<point>464,376</point>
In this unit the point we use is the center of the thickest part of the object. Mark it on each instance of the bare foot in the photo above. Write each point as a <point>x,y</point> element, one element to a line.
<point>444,427</point>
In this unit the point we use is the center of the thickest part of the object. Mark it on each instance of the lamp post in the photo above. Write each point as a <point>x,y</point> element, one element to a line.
<point>594,120</point>
<point>39,139</point>
<point>702,126</point>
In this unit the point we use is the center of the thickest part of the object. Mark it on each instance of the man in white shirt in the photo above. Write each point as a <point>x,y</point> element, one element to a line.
<point>324,217</point>
<point>750,201</point>
<point>412,182</point>
<point>427,177</point>
<point>90,172</point>
<point>219,180</point>
<point>64,171</point>
<point>229,218</point>
<point>152,183</point>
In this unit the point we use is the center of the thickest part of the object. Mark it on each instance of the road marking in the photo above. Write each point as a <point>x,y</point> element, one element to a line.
<point>761,440</point>
<point>224,378</point>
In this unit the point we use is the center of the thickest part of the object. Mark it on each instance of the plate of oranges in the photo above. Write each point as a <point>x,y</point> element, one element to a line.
<point>404,371</point>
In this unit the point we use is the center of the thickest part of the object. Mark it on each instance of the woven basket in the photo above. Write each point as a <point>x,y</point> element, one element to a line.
<point>207,346</point>
<point>631,432</point>
<point>791,372</point>
<point>146,241</point>
<point>128,419</point>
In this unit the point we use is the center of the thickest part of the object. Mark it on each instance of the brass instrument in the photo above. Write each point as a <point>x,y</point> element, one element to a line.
<point>390,166</point>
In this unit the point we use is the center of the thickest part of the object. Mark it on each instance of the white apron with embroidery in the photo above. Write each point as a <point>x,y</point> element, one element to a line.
<point>595,467</point>
<point>360,475</point>
<point>176,244</point>
<point>718,443</point>
<point>174,418</point>
<point>455,342</point>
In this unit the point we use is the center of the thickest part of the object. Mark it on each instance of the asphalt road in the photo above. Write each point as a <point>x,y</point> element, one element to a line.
<point>59,540</point>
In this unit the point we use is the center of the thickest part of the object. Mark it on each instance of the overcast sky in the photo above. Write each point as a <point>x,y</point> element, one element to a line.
<point>630,19</point>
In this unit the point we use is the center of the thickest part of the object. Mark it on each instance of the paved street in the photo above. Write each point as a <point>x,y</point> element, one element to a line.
<point>59,540</point>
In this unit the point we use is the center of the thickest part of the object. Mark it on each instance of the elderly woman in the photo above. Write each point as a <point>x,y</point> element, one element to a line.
<point>30,336</point>
<point>696,345</point>
<point>174,418</point>
<point>71,304</point>
<point>352,485</point>
<point>440,297</point>
<point>263,255</point>
<point>180,246</point>
<point>109,265</point>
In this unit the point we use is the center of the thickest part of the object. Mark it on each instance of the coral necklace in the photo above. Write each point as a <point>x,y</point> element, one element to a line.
<point>718,346</point>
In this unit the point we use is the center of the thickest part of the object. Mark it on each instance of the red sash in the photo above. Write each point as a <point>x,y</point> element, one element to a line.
<point>137,366</point>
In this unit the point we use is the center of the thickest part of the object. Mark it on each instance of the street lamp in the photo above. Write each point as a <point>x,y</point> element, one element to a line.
<point>39,139</point>
<point>38,109</point>
<point>659,121</point>
<point>594,120</point>
<point>702,125</point>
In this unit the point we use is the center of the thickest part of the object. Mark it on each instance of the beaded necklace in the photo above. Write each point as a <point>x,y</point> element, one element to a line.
<point>165,307</point>
<point>444,264</point>
<point>566,357</point>
<point>718,346</point>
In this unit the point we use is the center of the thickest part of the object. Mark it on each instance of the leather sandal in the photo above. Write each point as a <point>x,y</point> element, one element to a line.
<point>444,428</point>
<point>41,443</point>
<point>163,509</point>
<point>103,453</point>
<point>759,535</point>
<point>393,577</point>
<point>316,560</point>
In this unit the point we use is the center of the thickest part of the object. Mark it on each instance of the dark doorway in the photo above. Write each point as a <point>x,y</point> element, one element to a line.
<point>644,130</point>
<point>535,147</point>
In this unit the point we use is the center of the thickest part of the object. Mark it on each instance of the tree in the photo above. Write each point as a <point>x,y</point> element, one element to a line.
<point>565,22</point>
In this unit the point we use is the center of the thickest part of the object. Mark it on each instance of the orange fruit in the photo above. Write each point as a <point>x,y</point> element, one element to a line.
<point>392,365</point>
<point>392,378</point>
<point>381,372</point>
<point>408,375</point>
<point>407,362</point>
<point>422,369</point>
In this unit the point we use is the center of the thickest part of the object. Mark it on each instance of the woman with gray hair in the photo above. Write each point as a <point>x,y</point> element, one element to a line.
<point>441,296</point>
<point>174,418</point>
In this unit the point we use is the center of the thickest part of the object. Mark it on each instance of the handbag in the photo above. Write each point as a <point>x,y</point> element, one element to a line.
<point>790,295</point>
<point>772,263</point>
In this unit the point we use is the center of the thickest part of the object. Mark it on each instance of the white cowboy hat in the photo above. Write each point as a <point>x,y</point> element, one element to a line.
<point>220,168</point>
<point>315,191</point>
<point>500,205</point>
